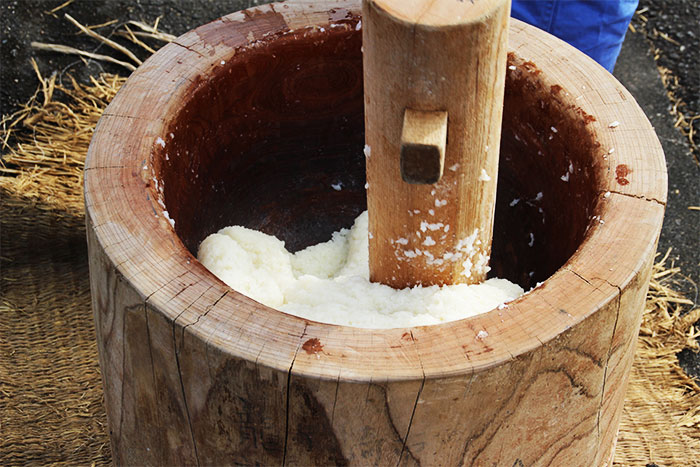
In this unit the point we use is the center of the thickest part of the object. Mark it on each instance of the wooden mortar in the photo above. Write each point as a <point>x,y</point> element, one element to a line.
<point>249,120</point>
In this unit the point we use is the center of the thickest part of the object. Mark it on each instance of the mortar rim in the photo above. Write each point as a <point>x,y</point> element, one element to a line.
<point>286,334</point>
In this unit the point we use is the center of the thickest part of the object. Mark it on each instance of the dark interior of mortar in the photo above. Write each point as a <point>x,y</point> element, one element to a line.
<point>266,139</point>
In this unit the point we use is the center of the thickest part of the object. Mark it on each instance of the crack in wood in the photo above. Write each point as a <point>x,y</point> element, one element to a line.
<point>123,379</point>
<point>413,412</point>
<point>619,290</point>
<point>128,117</point>
<point>87,169</point>
<point>408,429</point>
<point>192,303</point>
<point>148,298</point>
<point>188,49</point>
<point>642,197</point>
<point>150,354</point>
<point>257,357</point>
<point>132,277</point>
<point>579,276</point>
<point>289,382</point>
<point>607,360</point>
<point>177,351</point>
<point>387,410</point>
<point>184,396</point>
<point>209,308</point>
<point>208,360</point>
<point>369,387</point>
<point>186,286</point>
<point>335,399</point>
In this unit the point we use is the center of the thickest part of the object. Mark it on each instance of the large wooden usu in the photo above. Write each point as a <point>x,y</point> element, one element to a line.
<point>249,120</point>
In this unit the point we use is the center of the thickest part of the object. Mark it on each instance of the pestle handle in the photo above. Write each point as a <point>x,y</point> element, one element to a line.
<point>434,73</point>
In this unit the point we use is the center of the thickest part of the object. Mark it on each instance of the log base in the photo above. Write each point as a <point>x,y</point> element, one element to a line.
<point>249,120</point>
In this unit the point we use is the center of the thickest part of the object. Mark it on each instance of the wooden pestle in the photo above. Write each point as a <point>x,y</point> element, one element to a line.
<point>434,73</point>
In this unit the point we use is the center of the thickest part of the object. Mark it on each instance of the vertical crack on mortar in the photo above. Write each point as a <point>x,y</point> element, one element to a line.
<point>289,384</point>
<point>369,388</point>
<point>187,308</point>
<point>607,360</point>
<point>257,357</point>
<point>184,397</point>
<point>335,399</point>
<point>193,302</point>
<point>123,336</point>
<point>410,422</point>
<point>413,412</point>
<point>610,347</point>
<point>150,353</point>
<point>208,360</point>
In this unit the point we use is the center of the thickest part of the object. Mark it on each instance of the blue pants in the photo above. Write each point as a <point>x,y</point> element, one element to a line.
<point>595,27</point>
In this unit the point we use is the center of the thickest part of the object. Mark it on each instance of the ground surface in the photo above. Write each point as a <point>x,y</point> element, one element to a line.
<point>673,28</point>
<point>666,28</point>
<point>669,30</point>
<point>24,21</point>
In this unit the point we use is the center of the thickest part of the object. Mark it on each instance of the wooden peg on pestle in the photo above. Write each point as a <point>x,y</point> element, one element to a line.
<point>423,141</point>
<point>434,73</point>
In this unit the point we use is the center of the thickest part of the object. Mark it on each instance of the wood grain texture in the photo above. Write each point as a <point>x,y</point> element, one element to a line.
<point>197,373</point>
<point>433,56</point>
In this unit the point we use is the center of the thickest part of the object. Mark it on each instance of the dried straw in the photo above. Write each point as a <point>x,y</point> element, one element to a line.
<point>45,141</point>
<point>146,31</point>
<point>115,45</point>
<point>132,37</point>
<point>103,25</point>
<point>661,419</point>
<point>64,49</point>
<point>51,407</point>
<point>59,7</point>
<point>151,32</point>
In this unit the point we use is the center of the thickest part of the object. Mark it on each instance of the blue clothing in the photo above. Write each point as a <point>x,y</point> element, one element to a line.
<point>595,27</point>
